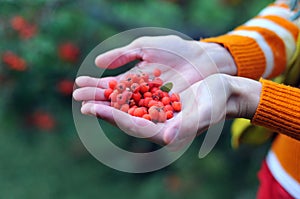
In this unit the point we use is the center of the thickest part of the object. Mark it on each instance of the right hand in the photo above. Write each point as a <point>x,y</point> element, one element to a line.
<point>193,60</point>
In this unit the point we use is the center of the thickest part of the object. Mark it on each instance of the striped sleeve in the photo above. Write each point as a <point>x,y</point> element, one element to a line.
<point>263,46</point>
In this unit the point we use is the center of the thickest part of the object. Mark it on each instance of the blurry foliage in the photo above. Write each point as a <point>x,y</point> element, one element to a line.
<point>41,154</point>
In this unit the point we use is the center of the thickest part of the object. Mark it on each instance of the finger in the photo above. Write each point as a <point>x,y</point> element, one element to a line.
<point>107,103</point>
<point>86,81</point>
<point>119,57</point>
<point>89,94</point>
<point>134,126</point>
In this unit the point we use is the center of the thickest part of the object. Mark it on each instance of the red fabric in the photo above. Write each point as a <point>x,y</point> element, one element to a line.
<point>269,188</point>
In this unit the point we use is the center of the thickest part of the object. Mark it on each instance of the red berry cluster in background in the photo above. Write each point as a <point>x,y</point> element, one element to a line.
<point>143,96</point>
<point>42,120</point>
<point>68,52</point>
<point>23,27</point>
<point>65,87</point>
<point>14,61</point>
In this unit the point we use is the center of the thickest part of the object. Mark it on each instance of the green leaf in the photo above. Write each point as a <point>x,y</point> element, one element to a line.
<point>167,87</point>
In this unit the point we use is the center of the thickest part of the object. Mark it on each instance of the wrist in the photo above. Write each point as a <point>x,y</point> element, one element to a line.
<point>244,97</point>
<point>220,56</point>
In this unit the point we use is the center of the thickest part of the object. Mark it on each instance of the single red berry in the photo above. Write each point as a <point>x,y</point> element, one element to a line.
<point>136,97</point>
<point>121,87</point>
<point>141,102</point>
<point>162,116</point>
<point>147,94</point>
<point>165,100</point>
<point>107,93</point>
<point>153,89</point>
<point>116,105</point>
<point>156,82</point>
<point>113,96</point>
<point>175,97</point>
<point>152,103</point>
<point>160,104</point>
<point>168,108</point>
<point>165,94</point>
<point>132,103</point>
<point>128,82</point>
<point>121,99</point>
<point>131,110</point>
<point>169,114</point>
<point>146,101</point>
<point>157,72</point>
<point>68,52</point>
<point>158,94</point>
<point>176,106</point>
<point>18,23</point>
<point>112,84</point>
<point>145,77</point>
<point>138,112</point>
<point>125,108</point>
<point>127,94</point>
<point>154,113</point>
<point>147,117</point>
<point>65,87</point>
<point>144,87</point>
<point>135,87</point>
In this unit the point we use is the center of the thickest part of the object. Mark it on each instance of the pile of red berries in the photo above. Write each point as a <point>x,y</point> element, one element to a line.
<point>144,95</point>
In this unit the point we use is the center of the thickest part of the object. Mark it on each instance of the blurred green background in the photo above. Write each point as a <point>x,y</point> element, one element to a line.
<point>43,43</point>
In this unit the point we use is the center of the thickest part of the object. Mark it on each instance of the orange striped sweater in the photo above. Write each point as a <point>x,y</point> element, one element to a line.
<point>263,47</point>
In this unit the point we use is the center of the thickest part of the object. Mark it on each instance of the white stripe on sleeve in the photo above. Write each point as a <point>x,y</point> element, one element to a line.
<point>285,35</point>
<point>277,11</point>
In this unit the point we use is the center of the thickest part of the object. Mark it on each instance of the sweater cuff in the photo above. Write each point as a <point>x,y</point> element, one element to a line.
<point>279,109</point>
<point>248,56</point>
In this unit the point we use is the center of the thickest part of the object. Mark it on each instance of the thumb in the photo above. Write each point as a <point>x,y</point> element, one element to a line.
<point>119,57</point>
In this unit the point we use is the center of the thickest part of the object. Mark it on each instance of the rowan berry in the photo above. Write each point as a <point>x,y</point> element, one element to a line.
<point>162,116</point>
<point>145,77</point>
<point>175,97</point>
<point>146,101</point>
<point>121,87</point>
<point>154,114</point>
<point>113,96</point>
<point>156,72</point>
<point>147,117</point>
<point>165,100</point>
<point>121,99</point>
<point>135,87</point>
<point>115,105</point>
<point>153,89</point>
<point>141,102</point>
<point>169,114</point>
<point>160,104</point>
<point>112,84</point>
<point>136,97</point>
<point>131,110</point>
<point>152,103</point>
<point>107,93</point>
<point>147,94</point>
<point>168,108</point>
<point>125,108</point>
<point>138,112</point>
<point>144,87</point>
<point>176,106</point>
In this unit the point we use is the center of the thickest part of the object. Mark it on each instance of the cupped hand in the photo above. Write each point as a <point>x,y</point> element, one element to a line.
<point>193,60</point>
<point>204,103</point>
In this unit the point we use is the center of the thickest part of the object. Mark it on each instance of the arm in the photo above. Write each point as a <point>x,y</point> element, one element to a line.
<point>264,45</point>
<point>279,109</point>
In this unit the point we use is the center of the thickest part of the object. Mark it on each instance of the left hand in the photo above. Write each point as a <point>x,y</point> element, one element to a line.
<point>205,103</point>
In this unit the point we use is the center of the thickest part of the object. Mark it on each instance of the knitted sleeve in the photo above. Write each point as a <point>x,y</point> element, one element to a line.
<point>262,46</point>
<point>279,109</point>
